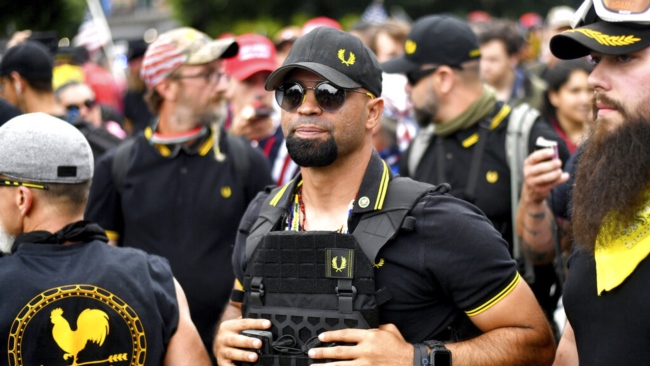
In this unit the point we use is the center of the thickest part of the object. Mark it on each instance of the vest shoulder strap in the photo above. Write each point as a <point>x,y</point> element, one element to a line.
<point>374,229</point>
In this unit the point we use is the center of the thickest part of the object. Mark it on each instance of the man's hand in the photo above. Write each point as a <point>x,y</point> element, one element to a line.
<point>229,346</point>
<point>541,174</point>
<point>383,346</point>
<point>534,218</point>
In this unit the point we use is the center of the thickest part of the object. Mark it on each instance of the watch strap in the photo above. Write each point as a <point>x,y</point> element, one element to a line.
<point>420,355</point>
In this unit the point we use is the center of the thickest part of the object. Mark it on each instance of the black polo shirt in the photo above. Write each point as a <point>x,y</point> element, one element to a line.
<point>492,193</point>
<point>185,208</point>
<point>452,266</point>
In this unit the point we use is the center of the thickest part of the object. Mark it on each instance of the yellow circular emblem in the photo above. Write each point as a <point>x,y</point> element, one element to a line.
<point>226,192</point>
<point>92,325</point>
<point>410,46</point>
<point>492,176</point>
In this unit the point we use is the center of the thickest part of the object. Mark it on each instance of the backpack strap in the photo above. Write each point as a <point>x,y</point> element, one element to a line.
<point>121,163</point>
<point>521,122</point>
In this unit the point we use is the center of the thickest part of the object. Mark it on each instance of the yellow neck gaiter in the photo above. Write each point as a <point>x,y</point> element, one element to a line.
<point>617,259</point>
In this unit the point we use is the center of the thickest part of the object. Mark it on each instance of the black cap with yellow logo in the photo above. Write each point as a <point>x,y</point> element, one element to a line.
<point>436,40</point>
<point>605,37</point>
<point>337,56</point>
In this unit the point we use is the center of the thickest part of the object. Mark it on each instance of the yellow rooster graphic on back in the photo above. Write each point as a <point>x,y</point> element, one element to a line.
<point>92,325</point>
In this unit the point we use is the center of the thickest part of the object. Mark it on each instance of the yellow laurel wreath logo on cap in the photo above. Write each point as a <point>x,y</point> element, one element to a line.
<point>410,46</point>
<point>607,40</point>
<point>350,60</point>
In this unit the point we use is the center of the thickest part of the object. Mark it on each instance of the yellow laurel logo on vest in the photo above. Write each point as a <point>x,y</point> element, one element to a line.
<point>350,60</point>
<point>607,40</point>
<point>492,176</point>
<point>97,337</point>
<point>380,263</point>
<point>226,192</point>
<point>344,263</point>
<point>410,46</point>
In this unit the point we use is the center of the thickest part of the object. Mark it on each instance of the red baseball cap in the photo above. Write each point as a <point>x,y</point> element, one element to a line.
<point>314,23</point>
<point>256,53</point>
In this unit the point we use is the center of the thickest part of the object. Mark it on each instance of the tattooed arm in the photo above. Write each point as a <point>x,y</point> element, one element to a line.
<point>535,221</point>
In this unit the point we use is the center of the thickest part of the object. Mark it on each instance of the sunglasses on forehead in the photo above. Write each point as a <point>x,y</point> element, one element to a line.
<point>88,103</point>
<point>636,11</point>
<point>329,97</point>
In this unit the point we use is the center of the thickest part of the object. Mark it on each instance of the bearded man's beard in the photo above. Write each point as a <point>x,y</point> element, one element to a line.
<point>612,177</point>
<point>312,152</point>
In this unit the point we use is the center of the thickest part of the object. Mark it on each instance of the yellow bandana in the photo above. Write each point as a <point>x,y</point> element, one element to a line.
<point>616,260</point>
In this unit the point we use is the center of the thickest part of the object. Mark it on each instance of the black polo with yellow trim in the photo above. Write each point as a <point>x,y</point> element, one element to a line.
<point>492,194</point>
<point>452,266</point>
<point>184,205</point>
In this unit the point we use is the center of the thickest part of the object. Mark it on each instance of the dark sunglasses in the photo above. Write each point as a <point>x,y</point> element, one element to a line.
<point>415,76</point>
<point>329,97</point>
<point>89,103</point>
<point>11,183</point>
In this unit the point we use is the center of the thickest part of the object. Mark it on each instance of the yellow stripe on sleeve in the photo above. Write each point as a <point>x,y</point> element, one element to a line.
<point>497,298</point>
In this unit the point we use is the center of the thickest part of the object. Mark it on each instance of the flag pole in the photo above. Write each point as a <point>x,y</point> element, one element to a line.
<point>99,18</point>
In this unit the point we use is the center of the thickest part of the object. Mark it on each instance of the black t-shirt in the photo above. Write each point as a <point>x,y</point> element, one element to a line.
<point>453,265</point>
<point>186,209</point>
<point>613,328</point>
<point>7,111</point>
<point>121,300</point>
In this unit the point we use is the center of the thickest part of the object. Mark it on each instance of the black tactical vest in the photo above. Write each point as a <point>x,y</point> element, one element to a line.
<point>307,283</point>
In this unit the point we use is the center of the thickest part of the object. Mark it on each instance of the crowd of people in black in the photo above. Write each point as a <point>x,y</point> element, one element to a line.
<point>452,191</point>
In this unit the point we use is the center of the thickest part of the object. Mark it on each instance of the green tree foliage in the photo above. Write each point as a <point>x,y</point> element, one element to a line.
<point>267,16</point>
<point>61,16</point>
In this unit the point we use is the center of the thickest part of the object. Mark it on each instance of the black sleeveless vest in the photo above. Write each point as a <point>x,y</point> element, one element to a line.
<point>307,283</point>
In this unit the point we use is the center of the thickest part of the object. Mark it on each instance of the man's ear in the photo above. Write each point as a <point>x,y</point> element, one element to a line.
<point>167,89</point>
<point>24,200</point>
<point>375,110</point>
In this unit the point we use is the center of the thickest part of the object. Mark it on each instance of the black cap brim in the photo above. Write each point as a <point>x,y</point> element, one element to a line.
<point>278,76</point>
<point>399,64</point>
<point>603,37</point>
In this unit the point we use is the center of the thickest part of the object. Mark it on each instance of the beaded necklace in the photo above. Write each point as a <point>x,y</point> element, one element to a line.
<point>297,216</point>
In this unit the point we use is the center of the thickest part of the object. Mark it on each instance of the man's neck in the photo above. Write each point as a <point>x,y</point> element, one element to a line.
<point>504,86</point>
<point>328,191</point>
<point>42,102</point>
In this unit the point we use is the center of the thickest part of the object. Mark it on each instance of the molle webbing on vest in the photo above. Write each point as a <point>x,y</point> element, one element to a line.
<point>293,267</point>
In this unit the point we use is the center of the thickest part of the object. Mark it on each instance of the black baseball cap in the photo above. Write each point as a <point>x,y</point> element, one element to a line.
<point>30,59</point>
<point>608,38</point>
<point>436,39</point>
<point>337,56</point>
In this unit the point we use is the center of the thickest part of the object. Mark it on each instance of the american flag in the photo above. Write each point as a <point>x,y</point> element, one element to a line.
<point>90,34</point>
<point>375,13</point>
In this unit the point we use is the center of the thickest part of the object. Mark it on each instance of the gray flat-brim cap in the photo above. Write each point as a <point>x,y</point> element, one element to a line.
<point>37,147</point>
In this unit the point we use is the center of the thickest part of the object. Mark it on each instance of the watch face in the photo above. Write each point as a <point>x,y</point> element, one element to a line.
<point>441,358</point>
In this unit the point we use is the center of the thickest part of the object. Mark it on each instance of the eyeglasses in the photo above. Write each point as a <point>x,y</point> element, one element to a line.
<point>88,103</point>
<point>11,183</point>
<point>210,77</point>
<point>415,76</point>
<point>329,97</point>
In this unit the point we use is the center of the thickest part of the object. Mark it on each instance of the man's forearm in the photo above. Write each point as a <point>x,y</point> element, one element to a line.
<point>535,228</point>
<point>504,347</point>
